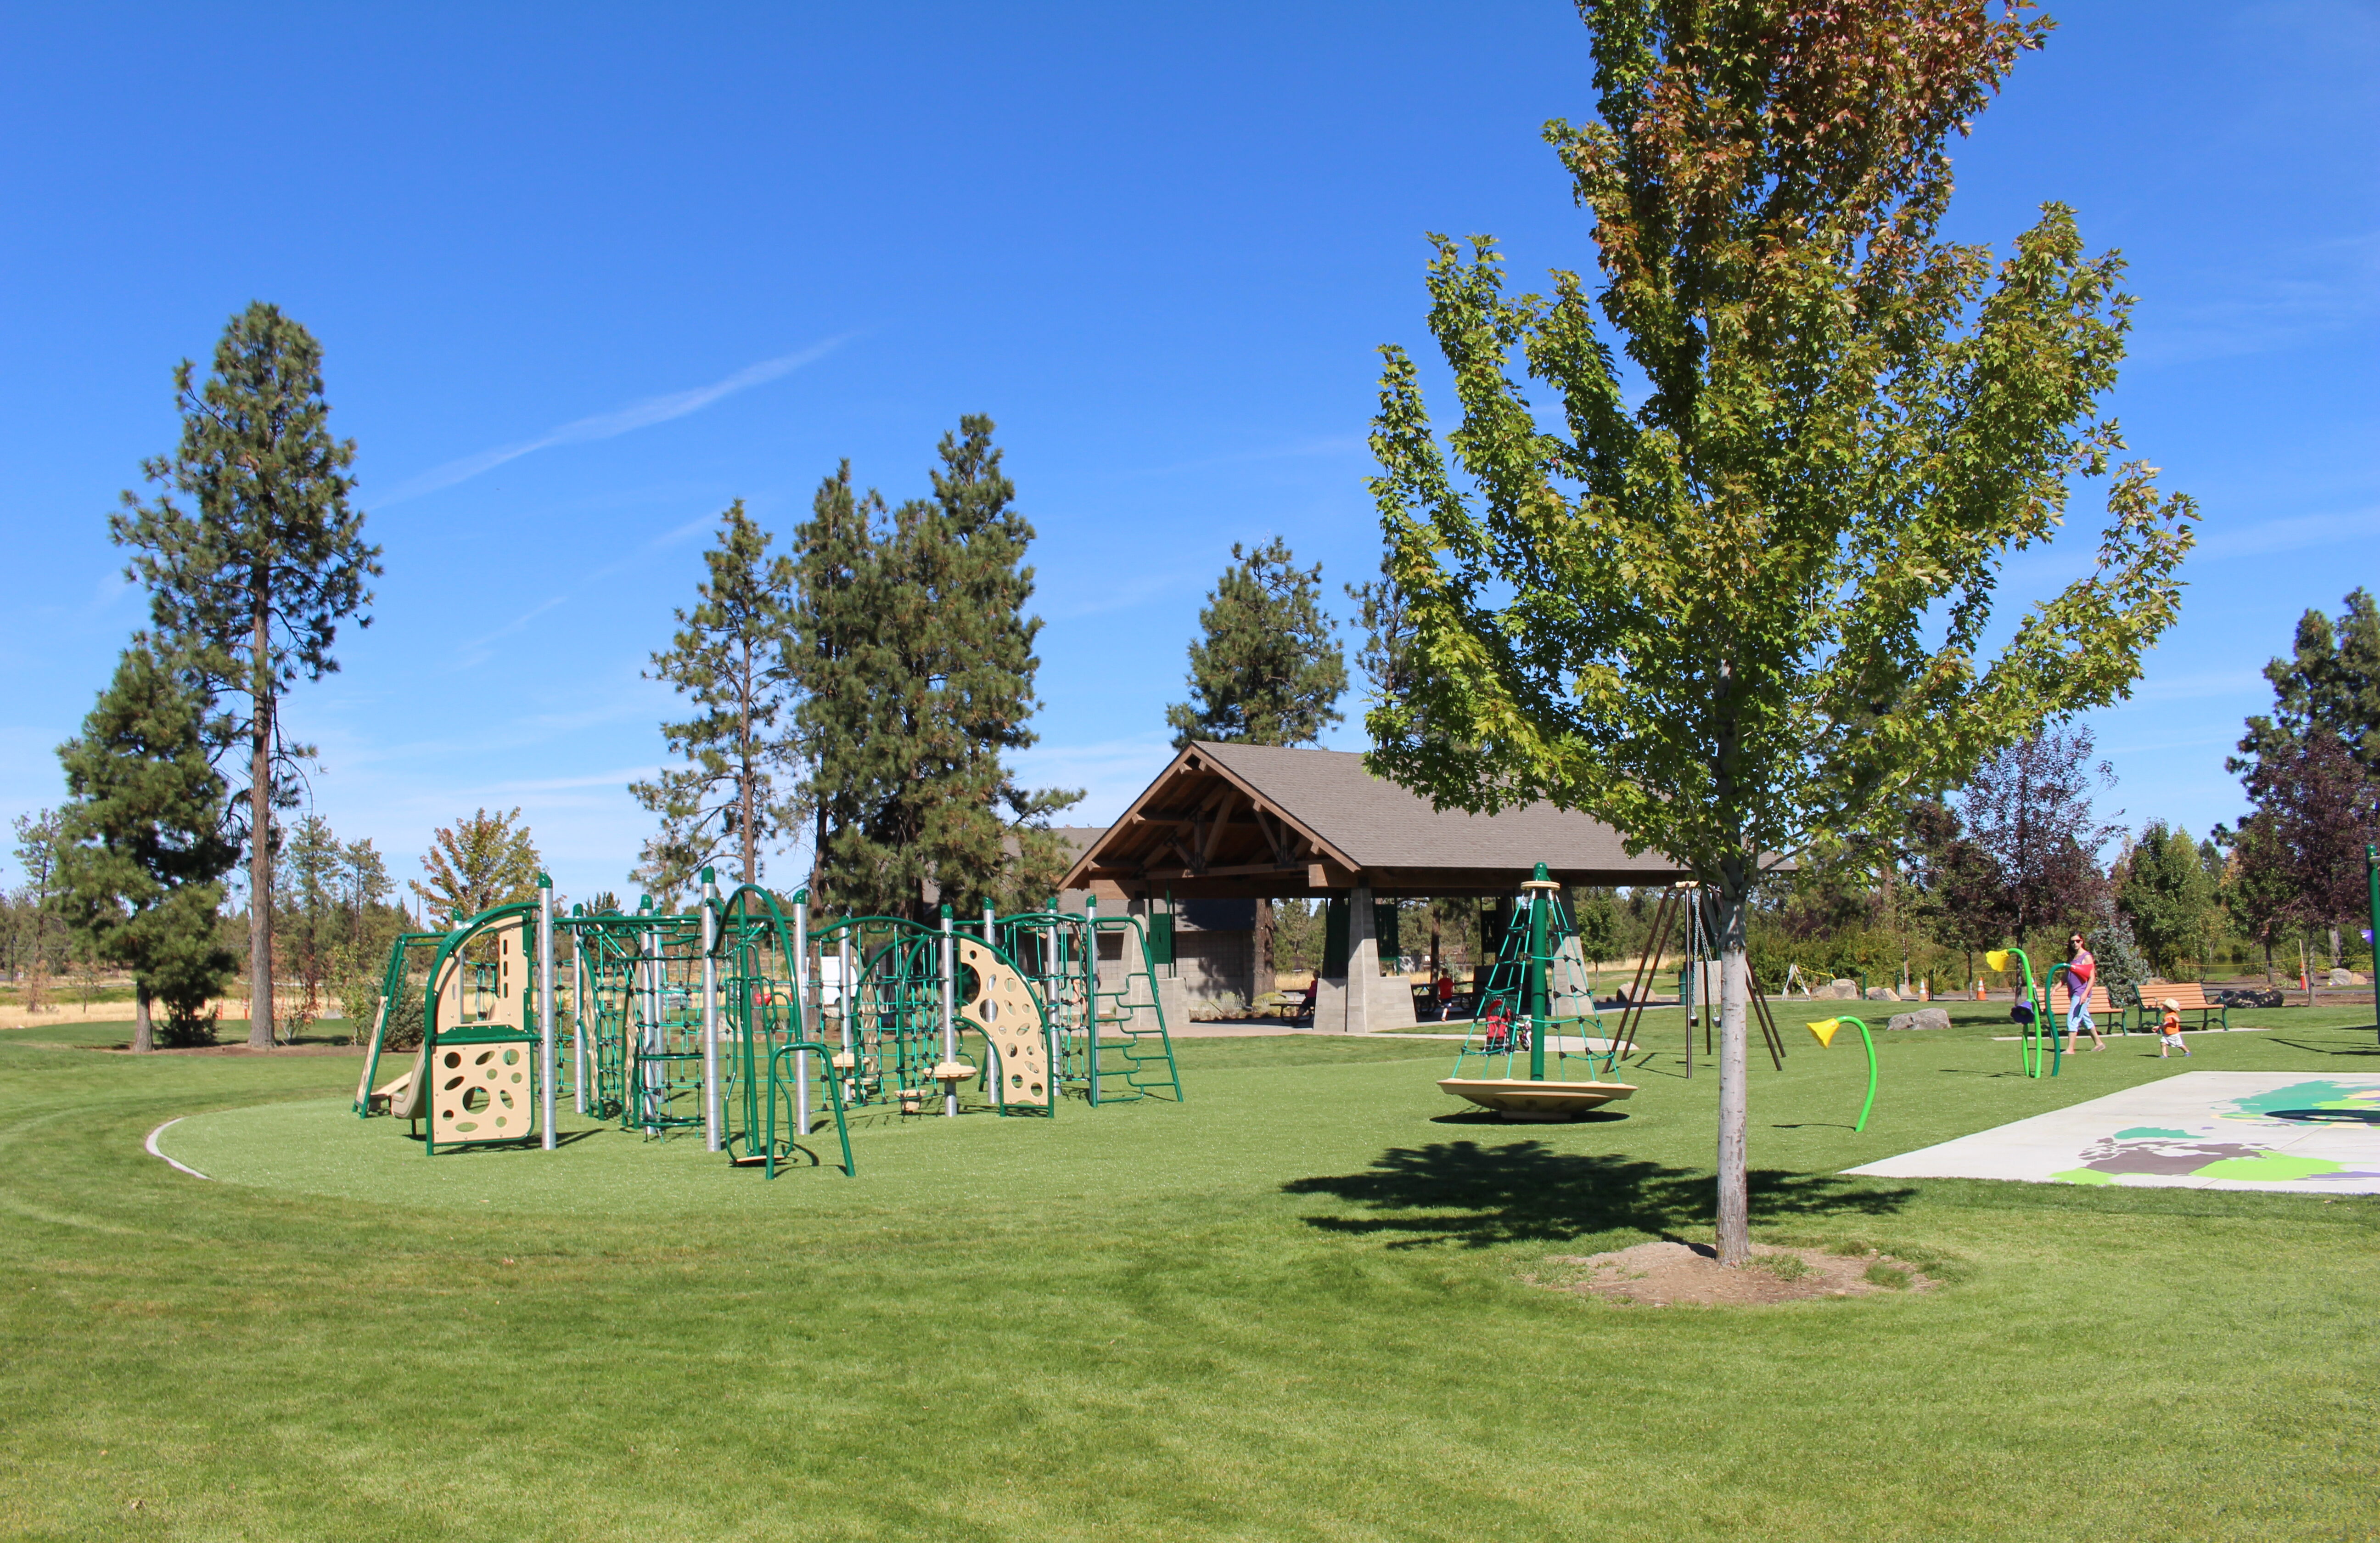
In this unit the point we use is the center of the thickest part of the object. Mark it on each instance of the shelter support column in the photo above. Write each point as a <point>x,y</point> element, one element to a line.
<point>1363,961</point>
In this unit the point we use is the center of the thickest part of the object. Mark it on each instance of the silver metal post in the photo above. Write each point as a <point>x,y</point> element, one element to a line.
<point>844,998</point>
<point>545,1056</point>
<point>950,1030</point>
<point>801,1018</point>
<point>648,1041</point>
<point>992,1073</point>
<point>715,1135</point>
<point>581,1052</point>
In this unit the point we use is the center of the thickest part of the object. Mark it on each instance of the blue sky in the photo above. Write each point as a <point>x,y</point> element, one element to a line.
<point>584,274</point>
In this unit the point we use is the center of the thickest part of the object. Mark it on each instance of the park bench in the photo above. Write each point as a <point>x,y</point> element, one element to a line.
<point>2192,996</point>
<point>2103,1008</point>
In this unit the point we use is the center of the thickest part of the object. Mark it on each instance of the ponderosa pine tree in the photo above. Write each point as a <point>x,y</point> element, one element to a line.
<point>250,583</point>
<point>1739,608</point>
<point>2331,681</point>
<point>1386,658</point>
<point>729,656</point>
<point>914,656</point>
<point>1266,668</point>
<point>834,652</point>
<point>145,848</point>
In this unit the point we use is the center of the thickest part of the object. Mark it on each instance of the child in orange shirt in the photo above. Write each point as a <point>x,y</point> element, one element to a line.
<point>2169,1030</point>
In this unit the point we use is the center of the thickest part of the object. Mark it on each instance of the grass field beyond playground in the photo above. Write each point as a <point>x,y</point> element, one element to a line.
<point>1293,1307</point>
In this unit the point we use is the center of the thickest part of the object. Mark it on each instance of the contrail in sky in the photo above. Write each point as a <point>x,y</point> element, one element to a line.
<point>636,415</point>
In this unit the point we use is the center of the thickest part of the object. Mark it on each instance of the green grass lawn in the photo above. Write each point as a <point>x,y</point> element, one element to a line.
<point>1293,1307</point>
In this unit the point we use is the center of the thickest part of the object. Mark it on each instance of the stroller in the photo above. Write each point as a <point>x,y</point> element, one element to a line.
<point>1503,1034</point>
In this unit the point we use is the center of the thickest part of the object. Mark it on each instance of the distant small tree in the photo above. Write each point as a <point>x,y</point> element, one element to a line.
<point>478,864</point>
<point>2123,968</point>
<point>1962,899</point>
<point>250,583</point>
<point>37,855</point>
<point>2028,807</point>
<point>144,849</point>
<point>309,863</point>
<point>1598,925</point>
<point>729,658</point>
<point>364,880</point>
<point>2259,890</point>
<point>2166,894</point>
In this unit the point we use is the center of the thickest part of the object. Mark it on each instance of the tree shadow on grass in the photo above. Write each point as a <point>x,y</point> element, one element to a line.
<point>1463,1193</point>
<point>2328,1049</point>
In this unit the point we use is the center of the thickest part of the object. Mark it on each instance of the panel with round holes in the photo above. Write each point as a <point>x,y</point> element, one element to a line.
<point>1003,1008</point>
<point>479,1093</point>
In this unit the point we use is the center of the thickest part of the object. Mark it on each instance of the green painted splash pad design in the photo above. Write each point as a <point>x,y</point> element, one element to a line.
<point>2200,1130</point>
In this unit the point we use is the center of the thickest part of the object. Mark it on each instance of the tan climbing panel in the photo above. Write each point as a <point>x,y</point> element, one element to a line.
<point>480,1093</point>
<point>487,987</point>
<point>1003,1011</point>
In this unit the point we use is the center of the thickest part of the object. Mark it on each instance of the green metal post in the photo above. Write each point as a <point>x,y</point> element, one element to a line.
<point>1869,1040</point>
<point>1091,990</point>
<point>2371,873</point>
<point>1536,982</point>
<point>2028,1050</point>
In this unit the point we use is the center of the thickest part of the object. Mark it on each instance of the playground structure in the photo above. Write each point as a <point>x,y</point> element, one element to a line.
<point>1515,1015</point>
<point>1823,1031</point>
<point>1684,914</point>
<point>735,1019</point>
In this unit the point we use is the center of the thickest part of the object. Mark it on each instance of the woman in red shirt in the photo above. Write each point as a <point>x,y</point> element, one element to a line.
<point>2080,969</point>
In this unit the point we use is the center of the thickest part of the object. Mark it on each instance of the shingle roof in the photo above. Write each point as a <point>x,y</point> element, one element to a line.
<point>1381,825</point>
<point>1257,820</point>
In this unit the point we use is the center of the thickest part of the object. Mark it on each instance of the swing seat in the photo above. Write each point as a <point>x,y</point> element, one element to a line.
<point>1518,1099</point>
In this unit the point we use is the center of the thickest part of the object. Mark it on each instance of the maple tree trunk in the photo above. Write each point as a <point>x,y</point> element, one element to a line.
<point>1734,1195</point>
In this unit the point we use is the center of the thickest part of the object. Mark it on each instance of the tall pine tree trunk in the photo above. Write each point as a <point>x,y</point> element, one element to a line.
<point>1735,1195</point>
<point>144,1034</point>
<point>259,830</point>
<point>748,773</point>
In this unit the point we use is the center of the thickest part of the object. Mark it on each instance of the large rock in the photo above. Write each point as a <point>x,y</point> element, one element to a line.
<point>2346,978</point>
<point>1925,1017</point>
<point>1840,990</point>
<point>1882,993</point>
